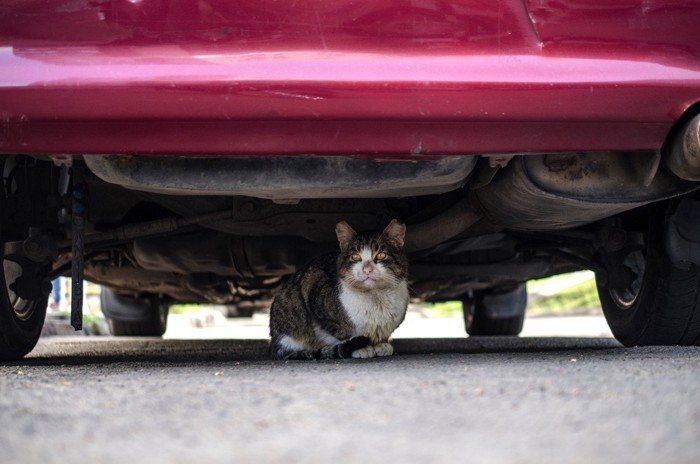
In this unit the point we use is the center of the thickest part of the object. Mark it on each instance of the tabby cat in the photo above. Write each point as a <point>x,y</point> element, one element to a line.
<point>344,304</point>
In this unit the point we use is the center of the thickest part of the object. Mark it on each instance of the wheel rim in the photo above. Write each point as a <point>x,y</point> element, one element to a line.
<point>626,298</point>
<point>22,308</point>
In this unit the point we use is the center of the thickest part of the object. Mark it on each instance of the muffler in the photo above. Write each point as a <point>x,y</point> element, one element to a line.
<point>566,190</point>
<point>683,157</point>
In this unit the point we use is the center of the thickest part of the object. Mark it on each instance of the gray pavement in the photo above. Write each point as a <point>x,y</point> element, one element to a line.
<point>564,400</point>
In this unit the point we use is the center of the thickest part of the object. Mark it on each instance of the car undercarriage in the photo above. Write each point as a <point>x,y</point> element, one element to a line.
<point>157,228</point>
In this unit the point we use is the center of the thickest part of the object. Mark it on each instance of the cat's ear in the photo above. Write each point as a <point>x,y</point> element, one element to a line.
<point>395,232</point>
<point>345,234</point>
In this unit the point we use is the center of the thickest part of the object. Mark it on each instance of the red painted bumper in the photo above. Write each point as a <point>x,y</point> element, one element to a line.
<point>394,78</point>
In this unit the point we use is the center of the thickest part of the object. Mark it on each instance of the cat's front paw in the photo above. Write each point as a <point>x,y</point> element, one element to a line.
<point>380,349</point>
<point>366,352</point>
<point>384,349</point>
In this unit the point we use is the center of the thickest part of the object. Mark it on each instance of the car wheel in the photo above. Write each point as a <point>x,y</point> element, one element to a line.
<point>23,298</point>
<point>657,299</point>
<point>239,310</point>
<point>495,313</point>
<point>135,317</point>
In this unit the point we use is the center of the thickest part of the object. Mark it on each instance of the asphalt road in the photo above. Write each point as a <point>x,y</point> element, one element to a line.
<point>578,400</point>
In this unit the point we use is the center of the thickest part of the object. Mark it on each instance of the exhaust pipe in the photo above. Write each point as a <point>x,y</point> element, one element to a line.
<point>683,158</point>
<point>445,226</point>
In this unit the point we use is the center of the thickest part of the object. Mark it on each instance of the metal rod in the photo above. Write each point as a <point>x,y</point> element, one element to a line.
<point>78,247</point>
<point>148,229</point>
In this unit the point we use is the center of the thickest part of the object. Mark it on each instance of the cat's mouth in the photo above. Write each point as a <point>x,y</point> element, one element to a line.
<point>370,282</point>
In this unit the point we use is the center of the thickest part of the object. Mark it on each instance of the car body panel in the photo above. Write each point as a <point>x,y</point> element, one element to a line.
<point>384,78</point>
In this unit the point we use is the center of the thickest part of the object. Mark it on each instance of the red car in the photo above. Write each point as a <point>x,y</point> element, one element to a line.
<point>200,151</point>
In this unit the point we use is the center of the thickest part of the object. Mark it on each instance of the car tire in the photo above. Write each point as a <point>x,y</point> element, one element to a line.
<point>239,310</point>
<point>495,313</point>
<point>21,320</point>
<point>661,304</point>
<point>134,317</point>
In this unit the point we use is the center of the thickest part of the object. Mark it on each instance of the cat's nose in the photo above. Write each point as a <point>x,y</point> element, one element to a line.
<point>367,268</point>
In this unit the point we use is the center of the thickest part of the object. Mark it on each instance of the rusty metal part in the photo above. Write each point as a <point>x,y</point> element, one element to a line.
<point>567,190</point>
<point>158,227</point>
<point>683,158</point>
<point>283,178</point>
<point>499,160</point>
<point>442,227</point>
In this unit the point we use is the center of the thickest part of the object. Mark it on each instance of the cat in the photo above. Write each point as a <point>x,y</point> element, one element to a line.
<point>345,304</point>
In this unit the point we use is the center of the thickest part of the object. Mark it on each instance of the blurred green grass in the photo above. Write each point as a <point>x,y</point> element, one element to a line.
<point>580,297</point>
<point>187,308</point>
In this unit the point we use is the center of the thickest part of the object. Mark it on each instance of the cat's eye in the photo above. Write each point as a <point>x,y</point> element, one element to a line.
<point>356,257</point>
<point>380,256</point>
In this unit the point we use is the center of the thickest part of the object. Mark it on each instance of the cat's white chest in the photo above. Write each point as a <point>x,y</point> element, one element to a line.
<point>375,314</point>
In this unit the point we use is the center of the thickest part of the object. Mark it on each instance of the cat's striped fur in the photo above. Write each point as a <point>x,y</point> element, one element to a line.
<point>345,304</point>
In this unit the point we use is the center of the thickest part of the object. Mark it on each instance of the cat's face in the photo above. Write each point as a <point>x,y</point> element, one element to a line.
<point>372,262</point>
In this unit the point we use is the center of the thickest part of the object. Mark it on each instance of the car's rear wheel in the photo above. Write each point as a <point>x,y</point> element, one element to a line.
<point>657,301</point>
<point>135,317</point>
<point>495,312</point>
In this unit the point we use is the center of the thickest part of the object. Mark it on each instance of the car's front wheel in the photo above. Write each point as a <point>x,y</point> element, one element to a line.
<point>650,294</point>
<point>495,312</point>
<point>135,317</point>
